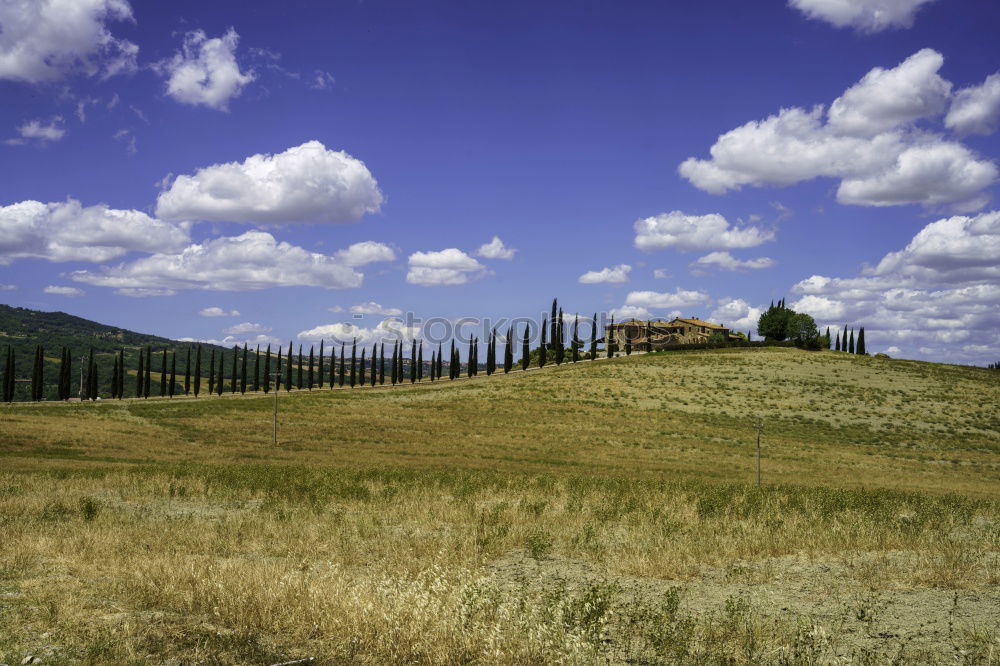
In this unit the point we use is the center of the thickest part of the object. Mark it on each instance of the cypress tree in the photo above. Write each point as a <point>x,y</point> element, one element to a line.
<point>361,368</point>
<point>440,361</point>
<point>140,375</point>
<point>311,377</point>
<point>373,375</point>
<point>234,381</point>
<point>490,356</point>
<point>541,350</point>
<point>300,373</point>
<point>559,345</point>
<point>392,377</point>
<point>413,361</point>
<point>433,363</point>
<point>342,364</point>
<point>843,343</point>
<point>381,364</point>
<point>187,370</point>
<point>173,374</point>
<point>93,377</point>
<point>8,375</point>
<point>211,373</point>
<point>333,366</point>
<point>354,361</point>
<point>552,323</point>
<point>114,377</point>
<point>219,378</point>
<point>149,371</point>
<point>526,347</point>
<point>35,363</point>
<point>451,361</point>
<point>850,345</point>
<point>68,375</point>
<point>163,374</point>
<point>829,340</point>
<point>420,362</point>
<point>319,370</point>
<point>89,383</point>
<point>288,370</point>
<point>838,341</point>
<point>576,339</point>
<point>267,370</point>
<point>256,369</point>
<point>470,368</point>
<point>197,372</point>
<point>628,343</point>
<point>609,341</point>
<point>277,371</point>
<point>593,338</point>
<point>861,342</point>
<point>508,350</point>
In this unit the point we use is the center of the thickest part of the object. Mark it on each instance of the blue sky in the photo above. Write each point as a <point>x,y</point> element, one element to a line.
<point>646,159</point>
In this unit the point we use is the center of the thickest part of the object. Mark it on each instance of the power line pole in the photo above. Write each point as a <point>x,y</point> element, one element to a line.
<point>759,426</point>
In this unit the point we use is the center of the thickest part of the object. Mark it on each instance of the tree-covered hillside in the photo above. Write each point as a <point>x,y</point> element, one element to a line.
<point>24,329</point>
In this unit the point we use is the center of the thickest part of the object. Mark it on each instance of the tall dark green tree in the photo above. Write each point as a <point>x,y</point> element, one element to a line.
<point>342,364</point>
<point>628,340</point>
<point>490,357</point>
<point>36,374</point>
<point>373,375</point>
<point>333,366</point>
<point>541,349</point>
<point>593,338</point>
<point>558,342</point>
<point>552,322</point>
<point>508,350</point>
<point>219,380</point>
<point>838,341</point>
<point>354,362</point>
<point>576,339</point>
<point>211,373</point>
<point>440,361</point>
<point>140,375</point>
<point>526,347</point>
<point>393,378</point>
<point>300,374</point>
<point>311,377</point>
<point>829,340</point>
<point>413,361</point>
<point>609,339</point>
<point>114,378</point>
<point>420,362</point>
<point>197,371</point>
<point>267,370</point>
<point>361,369</point>
<point>88,391</point>
<point>7,392</point>
<point>121,374</point>
<point>187,370</point>
<point>234,380</point>
<point>288,370</point>
<point>861,342</point>
<point>173,374</point>
<point>277,371</point>
<point>319,370</point>
<point>451,361</point>
<point>843,343</point>
<point>850,344</point>
<point>149,371</point>
<point>649,337</point>
<point>381,364</point>
<point>433,367</point>
<point>256,369</point>
<point>773,322</point>
<point>163,373</point>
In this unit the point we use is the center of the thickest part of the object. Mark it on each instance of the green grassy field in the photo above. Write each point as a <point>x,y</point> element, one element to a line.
<point>604,512</point>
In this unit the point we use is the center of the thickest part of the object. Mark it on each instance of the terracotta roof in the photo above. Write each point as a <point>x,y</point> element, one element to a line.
<point>698,322</point>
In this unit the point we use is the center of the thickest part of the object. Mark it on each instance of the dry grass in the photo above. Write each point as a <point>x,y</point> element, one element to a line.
<point>596,513</point>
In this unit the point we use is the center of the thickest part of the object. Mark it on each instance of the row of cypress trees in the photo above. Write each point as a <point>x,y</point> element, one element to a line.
<point>301,372</point>
<point>845,343</point>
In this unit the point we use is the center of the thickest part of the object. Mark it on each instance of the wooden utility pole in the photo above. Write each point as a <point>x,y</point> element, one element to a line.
<point>759,426</point>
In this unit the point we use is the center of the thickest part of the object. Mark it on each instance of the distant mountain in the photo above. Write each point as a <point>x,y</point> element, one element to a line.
<point>23,329</point>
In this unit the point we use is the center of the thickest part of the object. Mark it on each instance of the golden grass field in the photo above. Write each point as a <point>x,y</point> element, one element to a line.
<point>605,512</point>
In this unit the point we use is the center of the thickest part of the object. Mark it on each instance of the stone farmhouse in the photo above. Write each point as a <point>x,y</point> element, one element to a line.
<point>663,333</point>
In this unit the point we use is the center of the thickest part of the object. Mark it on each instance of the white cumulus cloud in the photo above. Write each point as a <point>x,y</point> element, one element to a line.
<point>736,314</point>
<point>205,72</point>
<point>443,267</point>
<point>307,183</point>
<point>251,261</point>
<point>695,232</point>
<point>665,300</point>
<point>495,249</point>
<point>366,252</point>
<point>867,140</point>
<point>68,231</point>
<point>863,15</point>
<point>45,40</point>
<point>246,327</point>
<point>614,275</point>
<point>63,291</point>
<point>388,330</point>
<point>215,311</point>
<point>976,110</point>
<point>371,307</point>
<point>36,130</point>
<point>724,261</point>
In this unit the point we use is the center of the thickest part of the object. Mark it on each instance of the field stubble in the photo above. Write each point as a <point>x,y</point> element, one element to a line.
<point>586,514</point>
